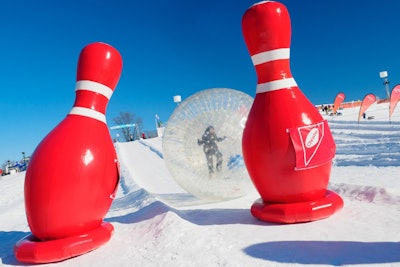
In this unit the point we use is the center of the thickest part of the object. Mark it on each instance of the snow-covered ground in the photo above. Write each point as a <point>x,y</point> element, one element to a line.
<point>159,224</point>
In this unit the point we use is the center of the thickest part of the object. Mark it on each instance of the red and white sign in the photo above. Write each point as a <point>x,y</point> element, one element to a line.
<point>394,98</point>
<point>338,101</point>
<point>313,144</point>
<point>368,100</point>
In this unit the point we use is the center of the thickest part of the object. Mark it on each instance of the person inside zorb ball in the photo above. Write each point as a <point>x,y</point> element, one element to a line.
<point>209,141</point>
<point>202,144</point>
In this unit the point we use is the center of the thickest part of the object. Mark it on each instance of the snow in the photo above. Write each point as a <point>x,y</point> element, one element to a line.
<point>159,224</point>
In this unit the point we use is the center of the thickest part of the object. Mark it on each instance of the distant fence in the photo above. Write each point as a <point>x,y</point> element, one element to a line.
<point>352,104</point>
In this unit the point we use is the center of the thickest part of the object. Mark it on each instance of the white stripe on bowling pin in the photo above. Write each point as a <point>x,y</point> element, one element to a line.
<point>87,112</point>
<point>94,87</point>
<point>268,56</point>
<point>276,54</point>
<point>276,85</point>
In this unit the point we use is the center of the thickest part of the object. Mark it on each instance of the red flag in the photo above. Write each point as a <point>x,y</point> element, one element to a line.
<point>313,144</point>
<point>394,99</point>
<point>338,100</point>
<point>369,99</point>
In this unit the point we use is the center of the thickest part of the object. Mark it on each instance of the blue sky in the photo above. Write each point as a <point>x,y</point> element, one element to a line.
<point>179,47</point>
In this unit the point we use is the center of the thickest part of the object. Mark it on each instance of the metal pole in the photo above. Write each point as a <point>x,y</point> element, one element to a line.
<point>387,87</point>
<point>384,75</point>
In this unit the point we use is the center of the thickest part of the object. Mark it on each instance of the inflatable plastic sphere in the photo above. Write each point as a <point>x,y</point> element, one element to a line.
<point>202,144</point>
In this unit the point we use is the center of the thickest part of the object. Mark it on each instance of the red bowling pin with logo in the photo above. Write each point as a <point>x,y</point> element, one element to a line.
<point>287,146</point>
<point>73,173</point>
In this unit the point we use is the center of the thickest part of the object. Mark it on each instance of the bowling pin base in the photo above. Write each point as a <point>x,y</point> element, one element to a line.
<point>298,212</point>
<point>32,250</point>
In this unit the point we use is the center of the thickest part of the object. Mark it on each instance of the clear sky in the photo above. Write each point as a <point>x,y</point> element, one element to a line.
<point>179,47</point>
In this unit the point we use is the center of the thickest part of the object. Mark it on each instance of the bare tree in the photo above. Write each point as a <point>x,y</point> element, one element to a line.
<point>129,133</point>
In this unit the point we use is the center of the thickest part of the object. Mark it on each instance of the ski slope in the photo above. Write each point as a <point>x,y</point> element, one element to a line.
<point>157,223</point>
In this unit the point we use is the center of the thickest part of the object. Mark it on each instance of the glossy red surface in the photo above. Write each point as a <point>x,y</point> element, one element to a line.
<point>69,181</point>
<point>31,250</point>
<point>298,212</point>
<point>268,151</point>
<point>73,173</point>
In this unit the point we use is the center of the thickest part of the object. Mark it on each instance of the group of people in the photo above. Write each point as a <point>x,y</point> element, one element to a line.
<point>326,108</point>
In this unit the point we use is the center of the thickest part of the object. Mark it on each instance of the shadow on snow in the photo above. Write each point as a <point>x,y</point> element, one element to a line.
<point>326,252</point>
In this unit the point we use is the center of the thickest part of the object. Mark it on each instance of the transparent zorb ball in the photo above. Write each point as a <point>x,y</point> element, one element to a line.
<point>190,156</point>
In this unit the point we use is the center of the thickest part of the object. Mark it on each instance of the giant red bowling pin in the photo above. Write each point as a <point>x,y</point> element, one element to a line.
<point>287,146</point>
<point>73,174</point>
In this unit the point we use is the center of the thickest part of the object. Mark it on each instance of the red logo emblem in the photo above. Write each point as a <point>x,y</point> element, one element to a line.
<point>313,144</point>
